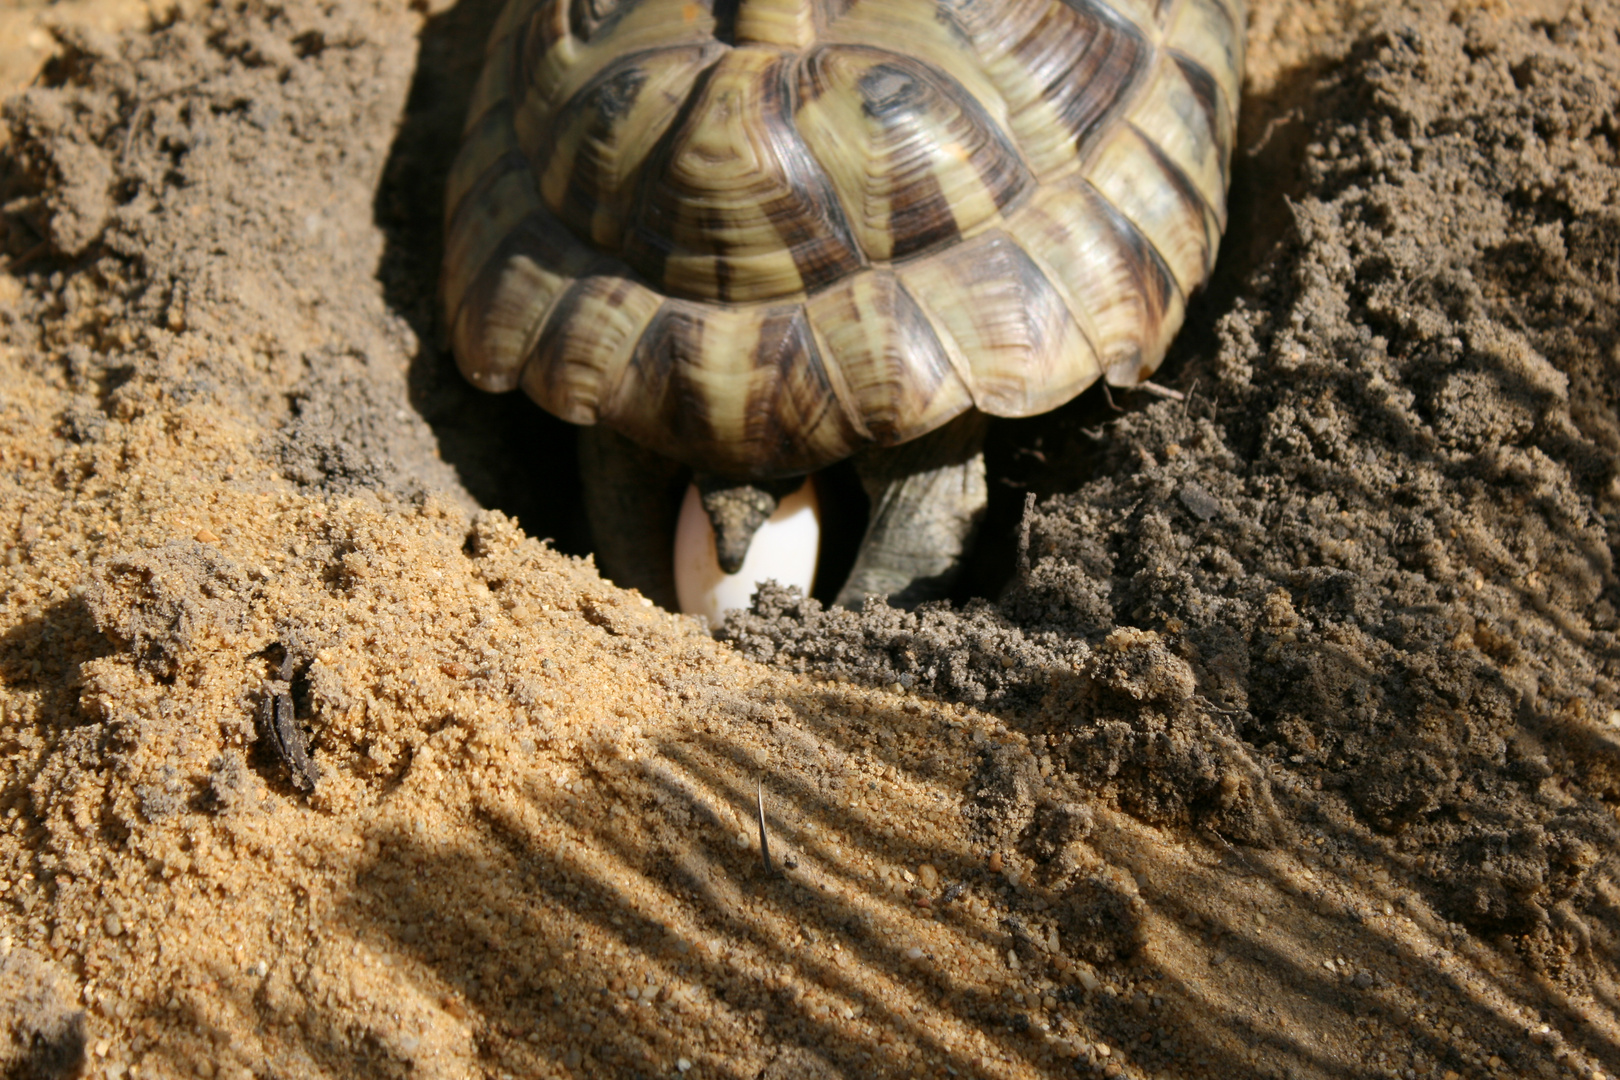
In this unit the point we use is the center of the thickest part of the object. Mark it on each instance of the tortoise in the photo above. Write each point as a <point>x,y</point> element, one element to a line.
<point>742,240</point>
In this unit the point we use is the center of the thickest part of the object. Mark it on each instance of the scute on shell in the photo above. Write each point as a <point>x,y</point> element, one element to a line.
<point>760,242</point>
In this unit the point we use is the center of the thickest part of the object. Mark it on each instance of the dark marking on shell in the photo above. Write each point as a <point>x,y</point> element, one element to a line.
<point>919,156</point>
<point>681,214</point>
<point>1155,286</point>
<point>1186,191</point>
<point>1093,81</point>
<point>589,18</point>
<point>1208,96</point>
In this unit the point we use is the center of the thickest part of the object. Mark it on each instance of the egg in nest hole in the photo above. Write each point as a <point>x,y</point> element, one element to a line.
<point>784,550</point>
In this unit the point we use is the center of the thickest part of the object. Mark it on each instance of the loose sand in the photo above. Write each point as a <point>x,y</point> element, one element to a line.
<point>1290,747</point>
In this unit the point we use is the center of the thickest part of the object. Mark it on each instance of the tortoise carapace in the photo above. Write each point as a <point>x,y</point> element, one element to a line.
<point>742,240</point>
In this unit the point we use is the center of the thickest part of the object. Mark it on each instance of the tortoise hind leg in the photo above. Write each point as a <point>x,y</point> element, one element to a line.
<point>632,499</point>
<point>928,497</point>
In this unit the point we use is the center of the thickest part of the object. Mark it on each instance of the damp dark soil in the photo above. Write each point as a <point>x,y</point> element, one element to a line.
<point>1280,738</point>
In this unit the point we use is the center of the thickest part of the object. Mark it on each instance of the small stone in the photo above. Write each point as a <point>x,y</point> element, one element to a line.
<point>1218,959</point>
<point>927,876</point>
<point>206,536</point>
<point>914,953</point>
<point>995,862</point>
<point>1198,501</point>
<point>1012,959</point>
<point>683,1064</point>
<point>112,924</point>
<point>1363,980</point>
<point>1103,1050</point>
<point>1088,979</point>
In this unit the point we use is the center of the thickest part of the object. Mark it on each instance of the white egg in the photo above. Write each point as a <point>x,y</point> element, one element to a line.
<point>784,549</point>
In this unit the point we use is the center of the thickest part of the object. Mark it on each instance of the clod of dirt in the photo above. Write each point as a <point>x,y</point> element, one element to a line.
<point>1101,917</point>
<point>41,1030</point>
<point>170,604</point>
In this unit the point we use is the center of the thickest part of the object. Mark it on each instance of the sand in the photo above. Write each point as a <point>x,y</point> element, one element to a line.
<point>1281,739</point>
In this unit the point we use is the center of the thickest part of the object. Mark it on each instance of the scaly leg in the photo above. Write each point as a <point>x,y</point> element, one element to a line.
<point>928,497</point>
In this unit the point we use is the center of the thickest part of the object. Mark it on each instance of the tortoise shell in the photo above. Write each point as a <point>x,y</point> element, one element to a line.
<point>757,236</point>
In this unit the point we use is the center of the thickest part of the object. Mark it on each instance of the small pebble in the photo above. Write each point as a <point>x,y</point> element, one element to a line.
<point>928,876</point>
<point>1363,980</point>
<point>112,924</point>
<point>683,1065</point>
<point>995,862</point>
<point>914,953</point>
